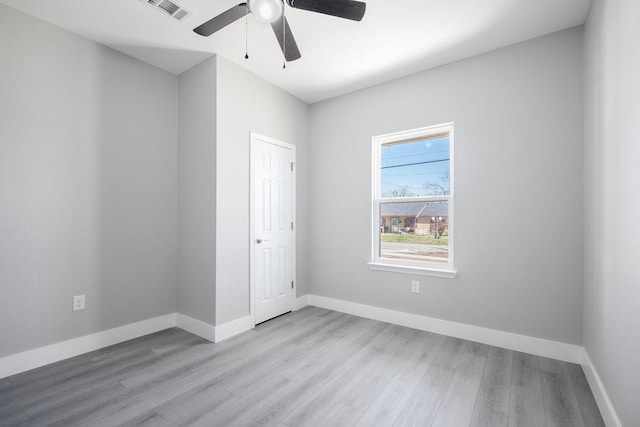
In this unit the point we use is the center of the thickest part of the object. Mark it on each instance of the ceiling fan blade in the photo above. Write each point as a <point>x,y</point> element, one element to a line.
<point>225,18</point>
<point>290,48</point>
<point>348,9</point>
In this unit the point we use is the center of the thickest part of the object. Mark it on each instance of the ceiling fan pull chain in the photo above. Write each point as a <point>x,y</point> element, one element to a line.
<point>246,32</point>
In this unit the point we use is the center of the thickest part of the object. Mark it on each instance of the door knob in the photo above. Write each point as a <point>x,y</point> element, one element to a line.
<point>261,240</point>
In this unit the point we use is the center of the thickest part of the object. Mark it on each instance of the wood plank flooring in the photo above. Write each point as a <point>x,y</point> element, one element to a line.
<point>311,367</point>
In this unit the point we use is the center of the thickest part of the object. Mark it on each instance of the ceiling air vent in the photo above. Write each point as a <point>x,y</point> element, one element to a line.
<point>168,7</point>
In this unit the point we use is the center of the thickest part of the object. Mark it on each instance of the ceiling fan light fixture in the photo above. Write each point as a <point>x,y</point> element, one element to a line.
<point>266,11</point>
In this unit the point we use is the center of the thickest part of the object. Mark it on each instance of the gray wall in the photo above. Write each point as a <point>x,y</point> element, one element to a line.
<point>612,204</point>
<point>197,192</point>
<point>518,184</point>
<point>247,103</point>
<point>87,186</point>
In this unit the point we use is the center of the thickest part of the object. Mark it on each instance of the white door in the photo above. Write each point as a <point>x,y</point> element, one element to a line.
<point>273,254</point>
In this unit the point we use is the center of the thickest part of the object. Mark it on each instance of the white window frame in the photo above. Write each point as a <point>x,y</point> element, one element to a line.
<point>379,263</point>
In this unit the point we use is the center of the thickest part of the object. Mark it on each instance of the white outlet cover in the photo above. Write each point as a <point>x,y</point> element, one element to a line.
<point>415,287</point>
<point>78,302</point>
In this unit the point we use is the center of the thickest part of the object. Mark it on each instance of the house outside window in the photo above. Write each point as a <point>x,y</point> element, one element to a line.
<point>412,203</point>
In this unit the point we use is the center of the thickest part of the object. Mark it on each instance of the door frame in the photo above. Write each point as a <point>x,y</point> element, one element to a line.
<point>256,138</point>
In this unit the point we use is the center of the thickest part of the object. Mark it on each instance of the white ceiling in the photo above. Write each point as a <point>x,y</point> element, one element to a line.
<point>395,38</point>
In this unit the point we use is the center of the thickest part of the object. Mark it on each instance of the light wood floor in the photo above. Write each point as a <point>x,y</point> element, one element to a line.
<point>310,367</point>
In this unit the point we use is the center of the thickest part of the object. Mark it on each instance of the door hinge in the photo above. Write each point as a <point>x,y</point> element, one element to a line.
<point>292,225</point>
<point>291,166</point>
<point>292,284</point>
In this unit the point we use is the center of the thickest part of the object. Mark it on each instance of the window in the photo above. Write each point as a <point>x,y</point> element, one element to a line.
<point>413,201</point>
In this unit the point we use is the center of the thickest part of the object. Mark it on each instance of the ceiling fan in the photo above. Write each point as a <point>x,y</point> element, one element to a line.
<point>272,12</point>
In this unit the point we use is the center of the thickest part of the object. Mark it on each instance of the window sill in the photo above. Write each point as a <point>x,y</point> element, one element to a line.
<point>436,272</point>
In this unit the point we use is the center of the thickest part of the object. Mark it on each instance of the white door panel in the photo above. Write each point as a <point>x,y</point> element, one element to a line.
<point>272,246</point>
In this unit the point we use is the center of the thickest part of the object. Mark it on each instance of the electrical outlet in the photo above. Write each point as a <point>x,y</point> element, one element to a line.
<point>415,287</point>
<point>78,302</point>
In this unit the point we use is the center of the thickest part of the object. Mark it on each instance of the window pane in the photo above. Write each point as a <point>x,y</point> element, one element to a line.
<point>415,231</point>
<point>417,168</point>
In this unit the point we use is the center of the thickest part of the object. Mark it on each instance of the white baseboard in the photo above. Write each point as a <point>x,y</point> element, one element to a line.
<point>607,411</point>
<point>196,327</point>
<point>538,346</point>
<point>301,302</point>
<point>235,327</point>
<point>31,359</point>
<point>214,333</point>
